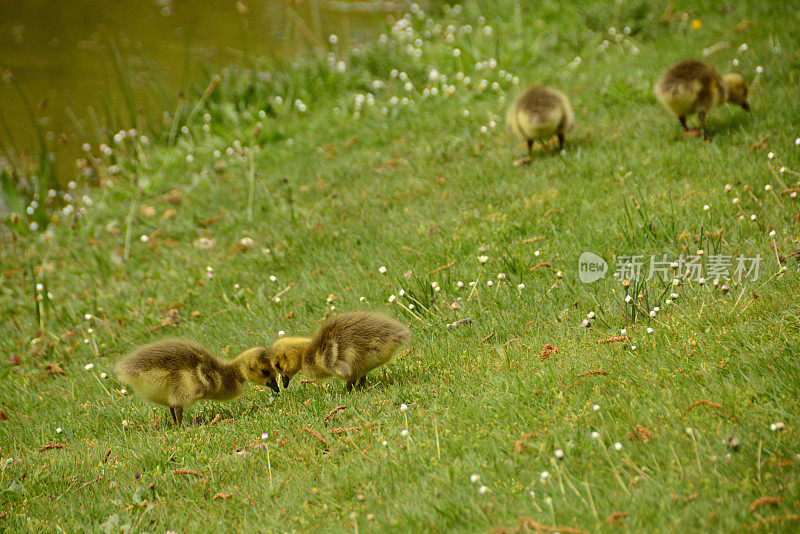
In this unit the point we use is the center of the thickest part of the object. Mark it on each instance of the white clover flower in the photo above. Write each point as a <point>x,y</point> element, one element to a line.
<point>89,366</point>
<point>520,286</point>
<point>768,187</point>
<point>649,330</point>
<point>281,333</point>
<point>123,391</point>
<point>771,155</point>
<point>404,432</point>
<point>590,315</point>
<point>618,446</point>
<point>384,443</point>
<point>706,207</point>
<point>333,39</point>
<point>460,284</point>
<point>623,331</point>
<point>382,269</point>
<point>103,375</point>
<point>596,407</point>
<point>595,435</point>
<point>392,298</point>
<point>735,200</point>
<point>559,453</point>
<point>544,474</point>
<point>144,239</point>
<point>728,188</point>
<point>753,217</point>
<point>735,62</point>
<point>628,298</point>
<point>272,278</point>
<point>59,430</point>
<point>483,259</point>
<point>772,233</point>
<point>743,48</point>
<point>489,283</point>
<point>87,316</point>
<point>482,490</point>
<point>403,407</point>
<point>474,478</point>
<point>264,436</point>
<point>759,69</point>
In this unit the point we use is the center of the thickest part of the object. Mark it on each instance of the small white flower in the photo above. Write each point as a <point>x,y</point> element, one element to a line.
<point>652,313</point>
<point>797,142</point>
<point>88,316</point>
<point>595,435</point>
<point>689,430</point>
<point>590,315</point>
<point>775,427</point>
<point>753,217</point>
<point>123,391</point>
<point>362,299</point>
<point>656,309</point>
<point>623,331</point>
<point>474,478</point>
<point>144,239</point>
<point>460,284</point>
<point>628,298</point>
<point>633,347</point>
<point>482,490</point>
<point>676,282</point>
<point>189,158</point>
<point>649,330</point>
<point>489,283</point>
<point>706,207</point>
<point>103,375</point>
<point>404,432</point>
<point>483,259</point>
<point>772,233</point>
<point>272,278</point>
<point>392,298</point>
<point>333,39</point>
<point>59,430</point>
<point>767,187</point>
<point>520,286</point>
<point>537,253</point>
<point>264,436</point>
<point>382,269</point>
<point>618,446</point>
<point>771,155</point>
<point>728,188</point>
<point>544,474</point>
<point>759,69</point>
<point>384,443</point>
<point>281,333</point>
<point>403,407</point>
<point>88,366</point>
<point>559,453</point>
<point>596,407</point>
<point>735,200</point>
<point>40,287</point>
<point>743,47</point>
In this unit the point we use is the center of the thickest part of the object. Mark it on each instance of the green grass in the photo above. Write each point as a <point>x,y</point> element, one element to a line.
<point>333,197</point>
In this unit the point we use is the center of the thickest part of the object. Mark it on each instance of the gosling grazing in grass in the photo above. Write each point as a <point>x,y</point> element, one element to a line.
<point>176,373</point>
<point>540,112</point>
<point>696,87</point>
<point>348,345</point>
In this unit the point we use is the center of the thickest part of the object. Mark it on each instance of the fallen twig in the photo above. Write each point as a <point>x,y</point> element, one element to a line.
<point>612,339</point>
<point>763,501</point>
<point>443,267</point>
<point>704,402</point>
<point>188,472</point>
<point>593,372</point>
<point>316,435</point>
<point>487,338</point>
<point>52,446</point>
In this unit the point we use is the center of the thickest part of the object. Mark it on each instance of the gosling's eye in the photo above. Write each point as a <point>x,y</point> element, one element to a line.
<point>278,367</point>
<point>264,373</point>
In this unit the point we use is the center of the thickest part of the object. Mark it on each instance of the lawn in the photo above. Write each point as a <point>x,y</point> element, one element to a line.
<point>561,407</point>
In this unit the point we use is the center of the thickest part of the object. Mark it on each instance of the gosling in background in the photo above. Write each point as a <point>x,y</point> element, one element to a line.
<point>540,112</point>
<point>348,345</point>
<point>176,373</point>
<point>696,87</point>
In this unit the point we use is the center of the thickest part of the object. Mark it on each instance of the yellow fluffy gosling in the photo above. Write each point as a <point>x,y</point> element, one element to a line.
<point>696,87</point>
<point>540,112</point>
<point>348,345</point>
<point>176,373</point>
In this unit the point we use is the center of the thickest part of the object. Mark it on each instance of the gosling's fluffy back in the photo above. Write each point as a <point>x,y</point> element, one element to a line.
<point>689,87</point>
<point>364,340</point>
<point>177,372</point>
<point>540,112</point>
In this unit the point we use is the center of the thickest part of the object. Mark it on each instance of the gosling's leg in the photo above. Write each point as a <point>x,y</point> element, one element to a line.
<point>683,123</point>
<point>362,382</point>
<point>702,116</point>
<point>179,416</point>
<point>530,148</point>
<point>174,419</point>
<point>560,141</point>
<point>350,385</point>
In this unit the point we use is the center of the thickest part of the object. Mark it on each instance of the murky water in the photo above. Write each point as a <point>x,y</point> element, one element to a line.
<point>59,53</point>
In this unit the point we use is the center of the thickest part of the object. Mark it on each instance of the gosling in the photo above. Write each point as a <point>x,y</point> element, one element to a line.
<point>696,87</point>
<point>176,373</point>
<point>348,346</point>
<point>540,112</point>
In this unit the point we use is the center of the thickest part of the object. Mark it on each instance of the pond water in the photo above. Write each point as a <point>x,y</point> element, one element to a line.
<point>59,53</point>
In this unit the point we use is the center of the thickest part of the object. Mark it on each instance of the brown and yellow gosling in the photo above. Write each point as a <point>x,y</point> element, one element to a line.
<point>540,112</point>
<point>348,345</point>
<point>176,373</point>
<point>696,87</point>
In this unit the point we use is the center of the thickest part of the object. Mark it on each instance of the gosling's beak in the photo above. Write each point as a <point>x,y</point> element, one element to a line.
<point>273,385</point>
<point>286,381</point>
<point>746,106</point>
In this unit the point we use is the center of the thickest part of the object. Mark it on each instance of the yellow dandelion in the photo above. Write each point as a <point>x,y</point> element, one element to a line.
<point>696,24</point>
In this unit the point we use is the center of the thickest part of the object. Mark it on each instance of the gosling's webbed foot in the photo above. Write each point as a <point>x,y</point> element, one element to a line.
<point>692,132</point>
<point>523,160</point>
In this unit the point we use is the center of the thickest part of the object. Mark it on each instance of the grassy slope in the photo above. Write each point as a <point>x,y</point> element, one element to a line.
<point>419,188</point>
